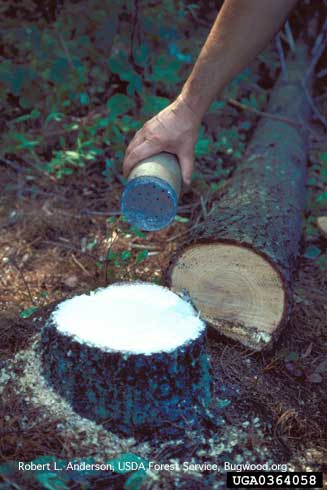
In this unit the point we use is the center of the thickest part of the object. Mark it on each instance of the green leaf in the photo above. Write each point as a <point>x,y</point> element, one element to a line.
<point>135,480</point>
<point>153,104</point>
<point>53,116</point>
<point>21,76</point>
<point>223,403</point>
<point>292,356</point>
<point>121,66</point>
<point>59,70</point>
<point>111,255</point>
<point>141,54</point>
<point>118,105</point>
<point>181,219</point>
<point>323,158</point>
<point>253,102</point>
<point>24,142</point>
<point>137,232</point>
<point>142,255</point>
<point>312,252</point>
<point>126,254</point>
<point>72,155</point>
<point>312,181</point>
<point>92,244</point>
<point>322,198</point>
<point>8,469</point>
<point>217,105</point>
<point>127,123</point>
<point>202,147</point>
<point>84,98</point>
<point>28,312</point>
<point>33,115</point>
<point>165,69</point>
<point>51,481</point>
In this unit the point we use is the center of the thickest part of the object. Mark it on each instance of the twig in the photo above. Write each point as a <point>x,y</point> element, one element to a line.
<point>87,212</point>
<point>188,230</point>
<point>65,48</point>
<point>319,116</point>
<point>281,56</point>
<point>317,50</point>
<point>80,265</point>
<point>239,105</point>
<point>14,263</point>
<point>144,247</point>
<point>203,207</point>
<point>69,247</point>
<point>39,170</point>
<point>322,74</point>
<point>134,39</point>
<point>289,36</point>
<point>12,165</point>
<point>106,267</point>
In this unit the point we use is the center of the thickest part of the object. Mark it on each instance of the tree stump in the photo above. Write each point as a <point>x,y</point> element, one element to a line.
<point>238,266</point>
<point>131,356</point>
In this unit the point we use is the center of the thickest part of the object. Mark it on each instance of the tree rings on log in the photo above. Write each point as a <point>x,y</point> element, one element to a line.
<point>232,287</point>
<point>239,263</point>
<point>131,356</point>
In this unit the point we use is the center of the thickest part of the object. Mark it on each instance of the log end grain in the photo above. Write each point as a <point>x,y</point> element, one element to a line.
<point>235,289</point>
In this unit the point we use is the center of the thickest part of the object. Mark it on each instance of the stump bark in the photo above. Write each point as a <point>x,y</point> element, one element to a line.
<point>130,393</point>
<point>238,266</point>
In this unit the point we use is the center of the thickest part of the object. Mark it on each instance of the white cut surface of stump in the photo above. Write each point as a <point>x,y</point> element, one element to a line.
<point>140,318</point>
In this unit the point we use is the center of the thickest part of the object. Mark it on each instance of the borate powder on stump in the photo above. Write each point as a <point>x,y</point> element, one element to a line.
<point>139,318</point>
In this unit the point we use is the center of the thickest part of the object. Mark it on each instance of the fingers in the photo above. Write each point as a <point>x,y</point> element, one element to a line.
<point>186,161</point>
<point>139,152</point>
<point>138,138</point>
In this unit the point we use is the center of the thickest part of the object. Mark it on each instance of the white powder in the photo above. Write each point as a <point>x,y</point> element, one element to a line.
<point>133,317</point>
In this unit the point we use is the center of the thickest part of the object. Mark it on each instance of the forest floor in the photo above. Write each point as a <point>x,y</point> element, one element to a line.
<point>52,246</point>
<point>61,238</point>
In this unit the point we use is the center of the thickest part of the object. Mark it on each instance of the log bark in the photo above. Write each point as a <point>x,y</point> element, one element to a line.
<point>238,266</point>
<point>132,394</point>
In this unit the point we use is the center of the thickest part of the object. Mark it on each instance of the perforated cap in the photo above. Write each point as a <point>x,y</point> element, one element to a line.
<point>149,203</point>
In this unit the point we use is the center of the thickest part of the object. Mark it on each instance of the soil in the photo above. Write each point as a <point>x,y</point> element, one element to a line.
<point>53,245</point>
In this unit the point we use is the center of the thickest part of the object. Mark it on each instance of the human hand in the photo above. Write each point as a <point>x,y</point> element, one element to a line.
<point>175,130</point>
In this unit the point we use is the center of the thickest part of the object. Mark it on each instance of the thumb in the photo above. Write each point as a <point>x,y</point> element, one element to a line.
<point>186,161</point>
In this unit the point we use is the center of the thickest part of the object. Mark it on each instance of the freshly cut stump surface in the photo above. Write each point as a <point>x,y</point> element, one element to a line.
<point>232,286</point>
<point>131,356</point>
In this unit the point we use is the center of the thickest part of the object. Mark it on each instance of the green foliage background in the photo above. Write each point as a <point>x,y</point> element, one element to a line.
<point>74,90</point>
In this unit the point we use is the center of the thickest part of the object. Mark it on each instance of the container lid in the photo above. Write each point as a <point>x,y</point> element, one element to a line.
<point>149,203</point>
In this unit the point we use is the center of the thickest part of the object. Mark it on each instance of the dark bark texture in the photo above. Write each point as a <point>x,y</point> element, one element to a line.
<point>132,394</point>
<point>263,205</point>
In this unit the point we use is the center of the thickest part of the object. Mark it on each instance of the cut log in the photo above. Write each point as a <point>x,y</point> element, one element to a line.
<point>238,266</point>
<point>322,225</point>
<point>131,356</point>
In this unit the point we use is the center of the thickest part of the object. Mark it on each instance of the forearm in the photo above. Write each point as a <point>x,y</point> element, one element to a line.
<point>241,31</point>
